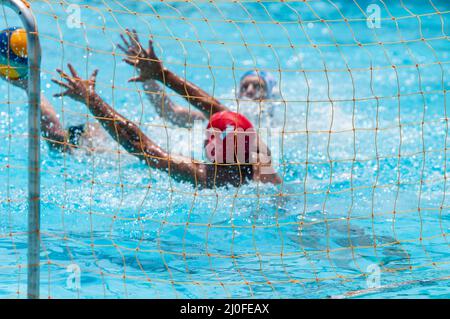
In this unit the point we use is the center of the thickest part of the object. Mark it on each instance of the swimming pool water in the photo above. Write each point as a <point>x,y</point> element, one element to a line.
<point>349,203</point>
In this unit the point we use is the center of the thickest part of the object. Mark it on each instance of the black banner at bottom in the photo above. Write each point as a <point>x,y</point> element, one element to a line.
<point>222,308</point>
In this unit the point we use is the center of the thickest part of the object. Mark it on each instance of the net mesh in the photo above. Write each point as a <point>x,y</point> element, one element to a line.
<point>357,124</point>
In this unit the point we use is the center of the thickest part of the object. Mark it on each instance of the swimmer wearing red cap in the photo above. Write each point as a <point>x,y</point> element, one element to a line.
<point>235,152</point>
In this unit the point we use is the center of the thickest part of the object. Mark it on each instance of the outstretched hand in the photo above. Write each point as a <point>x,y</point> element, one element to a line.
<point>146,61</point>
<point>76,88</point>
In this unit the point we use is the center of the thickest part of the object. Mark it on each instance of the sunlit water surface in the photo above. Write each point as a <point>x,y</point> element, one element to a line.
<point>350,207</point>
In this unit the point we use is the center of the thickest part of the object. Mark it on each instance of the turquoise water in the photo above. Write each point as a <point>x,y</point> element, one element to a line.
<point>349,203</point>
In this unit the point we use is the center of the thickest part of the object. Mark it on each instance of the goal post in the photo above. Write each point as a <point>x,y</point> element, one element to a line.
<point>23,9</point>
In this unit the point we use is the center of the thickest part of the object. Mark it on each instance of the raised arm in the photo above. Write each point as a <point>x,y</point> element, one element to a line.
<point>128,134</point>
<point>180,116</point>
<point>151,68</point>
<point>51,127</point>
<point>156,94</point>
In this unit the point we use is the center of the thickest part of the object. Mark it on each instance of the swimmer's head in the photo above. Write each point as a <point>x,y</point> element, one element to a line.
<point>230,138</point>
<point>256,85</point>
